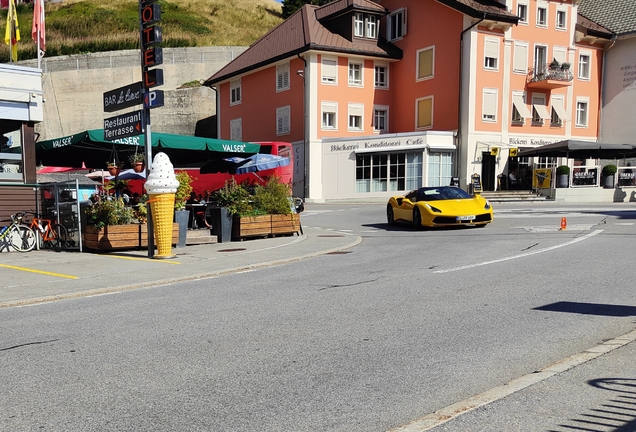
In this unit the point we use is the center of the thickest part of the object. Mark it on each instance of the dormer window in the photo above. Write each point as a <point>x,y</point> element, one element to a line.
<point>365,26</point>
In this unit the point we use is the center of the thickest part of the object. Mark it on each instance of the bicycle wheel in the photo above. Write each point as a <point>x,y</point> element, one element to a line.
<point>22,238</point>
<point>60,235</point>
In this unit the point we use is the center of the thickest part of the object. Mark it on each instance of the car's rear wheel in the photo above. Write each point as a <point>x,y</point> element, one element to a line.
<point>390,217</point>
<point>417,218</point>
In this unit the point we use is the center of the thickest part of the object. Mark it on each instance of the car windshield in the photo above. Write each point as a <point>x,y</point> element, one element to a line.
<point>441,193</point>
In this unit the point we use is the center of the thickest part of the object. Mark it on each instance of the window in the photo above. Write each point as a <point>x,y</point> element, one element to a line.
<point>522,13</point>
<point>520,62</point>
<point>558,113</point>
<point>489,105</point>
<point>440,169</point>
<point>282,120</point>
<point>236,129</point>
<point>424,114</point>
<point>372,26</point>
<point>329,70</point>
<point>11,166</point>
<point>235,92</point>
<point>377,172</point>
<point>355,117</point>
<point>540,58</point>
<point>355,74</point>
<point>559,54</point>
<point>520,110</point>
<point>425,63</point>
<point>539,109</point>
<point>584,66</point>
<point>581,113</point>
<point>282,77</point>
<point>358,25</point>
<point>396,25</point>
<point>542,16</point>
<point>381,118</point>
<point>560,19</point>
<point>491,53</point>
<point>329,115</point>
<point>381,76</point>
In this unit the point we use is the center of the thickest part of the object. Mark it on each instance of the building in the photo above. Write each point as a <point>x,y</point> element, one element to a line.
<point>382,97</point>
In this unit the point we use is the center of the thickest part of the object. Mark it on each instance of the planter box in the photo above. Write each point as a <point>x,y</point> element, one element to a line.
<point>128,236</point>
<point>265,225</point>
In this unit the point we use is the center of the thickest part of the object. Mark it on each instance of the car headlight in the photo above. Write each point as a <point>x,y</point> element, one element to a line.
<point>433,209</point>
<point>487,206</point>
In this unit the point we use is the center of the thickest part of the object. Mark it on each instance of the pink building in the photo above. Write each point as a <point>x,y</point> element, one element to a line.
<point>381,98</point>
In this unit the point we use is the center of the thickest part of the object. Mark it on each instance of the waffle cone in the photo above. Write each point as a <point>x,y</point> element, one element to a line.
<point>162,210</point>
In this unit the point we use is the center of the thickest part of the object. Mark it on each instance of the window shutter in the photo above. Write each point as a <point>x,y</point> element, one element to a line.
<point>559,54</point>
<point>329,70</point>
<point>425,113</point>
<point>491,47</point>
<point>490,104</point>
<point>403,21</point>
<point>425,63</point>
<point>521,58</point>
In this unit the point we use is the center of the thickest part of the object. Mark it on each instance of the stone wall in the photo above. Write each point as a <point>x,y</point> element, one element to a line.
<point>73,89</point>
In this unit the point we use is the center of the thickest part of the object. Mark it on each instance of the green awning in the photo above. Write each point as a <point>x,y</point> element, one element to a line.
<point>90,148</point>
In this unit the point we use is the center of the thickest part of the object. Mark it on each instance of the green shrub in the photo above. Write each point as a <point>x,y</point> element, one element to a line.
<point>183,190</point>
<point>108,212</point>
<point>235,197</point>
<point>563,169</point>
<point>609,170</point>
<point>273,197</point>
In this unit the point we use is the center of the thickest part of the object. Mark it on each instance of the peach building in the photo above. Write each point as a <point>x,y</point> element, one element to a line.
<point>379,98</point>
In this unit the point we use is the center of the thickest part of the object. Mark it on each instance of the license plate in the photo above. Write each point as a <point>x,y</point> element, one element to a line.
<point>465,218</point>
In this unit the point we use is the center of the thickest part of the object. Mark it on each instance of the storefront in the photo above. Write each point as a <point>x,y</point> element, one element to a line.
<point>385,165</point>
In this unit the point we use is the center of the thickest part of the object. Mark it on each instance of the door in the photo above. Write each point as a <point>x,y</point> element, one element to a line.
<point>488,163</point>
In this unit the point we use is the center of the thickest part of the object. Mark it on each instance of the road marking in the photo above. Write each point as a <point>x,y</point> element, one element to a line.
<point>38,271</point>
<point>624,223</point>
<point>571,242</point>
<point>450,412</point>
<point>554,228</point>
<point>140,259</point>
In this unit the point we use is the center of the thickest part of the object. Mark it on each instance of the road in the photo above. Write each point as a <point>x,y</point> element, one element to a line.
<point>404,324</point>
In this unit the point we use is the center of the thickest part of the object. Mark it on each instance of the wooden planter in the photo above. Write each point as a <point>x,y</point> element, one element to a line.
<point>265,225</point>
<point>128,236</point>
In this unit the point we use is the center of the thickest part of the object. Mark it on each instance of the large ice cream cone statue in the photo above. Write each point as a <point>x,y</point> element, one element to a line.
<point>161,186</point>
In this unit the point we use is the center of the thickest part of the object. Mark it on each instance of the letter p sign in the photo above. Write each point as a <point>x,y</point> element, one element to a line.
<point>153,99</point>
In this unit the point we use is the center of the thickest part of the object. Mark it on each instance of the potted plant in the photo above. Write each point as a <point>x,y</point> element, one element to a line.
<point>138,162</point>
<point>565,66</point>
<point>608,175</point>
<point>563,172</point>
<point>181,215</point>
<point>231,200</point>
<point>113,167</point>
<point>554,64</point>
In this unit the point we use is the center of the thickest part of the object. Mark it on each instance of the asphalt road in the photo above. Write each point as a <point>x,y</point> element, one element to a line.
<point>406,323</point>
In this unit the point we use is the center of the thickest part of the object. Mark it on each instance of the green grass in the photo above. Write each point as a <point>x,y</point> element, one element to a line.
<point>85,26</point>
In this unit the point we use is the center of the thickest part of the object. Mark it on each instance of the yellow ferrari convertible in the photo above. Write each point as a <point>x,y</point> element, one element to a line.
<point>439,206</point>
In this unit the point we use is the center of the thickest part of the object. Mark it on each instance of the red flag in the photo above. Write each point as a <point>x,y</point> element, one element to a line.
<point>38,30</point>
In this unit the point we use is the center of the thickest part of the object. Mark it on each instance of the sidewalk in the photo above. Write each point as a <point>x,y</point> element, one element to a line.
<point>40,276</point>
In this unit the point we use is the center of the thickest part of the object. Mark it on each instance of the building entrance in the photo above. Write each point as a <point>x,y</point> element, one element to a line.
<point>488,165</point>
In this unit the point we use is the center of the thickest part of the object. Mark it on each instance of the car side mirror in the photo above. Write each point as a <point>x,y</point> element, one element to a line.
<point>299,204</point>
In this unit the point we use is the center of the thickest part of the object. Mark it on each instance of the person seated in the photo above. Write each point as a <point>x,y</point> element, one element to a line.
<point>192,199</point>
<point>512,178</point>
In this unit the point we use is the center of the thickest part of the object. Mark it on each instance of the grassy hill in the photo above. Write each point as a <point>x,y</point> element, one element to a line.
<point>84,26</point>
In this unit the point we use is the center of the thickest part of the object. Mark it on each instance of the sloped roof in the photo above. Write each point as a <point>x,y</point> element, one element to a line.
<point>339,6</point>
<point>303,32</point>
<point>592,28</point>
<point>618,16</point>
<point>478,8</point>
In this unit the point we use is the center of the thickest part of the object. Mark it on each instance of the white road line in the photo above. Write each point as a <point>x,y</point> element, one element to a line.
<point>571,242</point>
<point>624,223</point>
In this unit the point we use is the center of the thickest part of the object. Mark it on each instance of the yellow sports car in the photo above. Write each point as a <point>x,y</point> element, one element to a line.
<point>439,206</point>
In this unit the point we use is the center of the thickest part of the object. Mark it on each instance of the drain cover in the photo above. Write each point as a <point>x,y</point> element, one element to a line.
<point>330,235</point>
<point>339,253</point>
<point>232,250</point>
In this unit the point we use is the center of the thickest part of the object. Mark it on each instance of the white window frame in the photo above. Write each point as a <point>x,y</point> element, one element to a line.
<point>491,42</point>
<point>523,19</point>
<point>542,7</point>
<point>381,84</point>
<point>331,109</point>
<point>417,64</point>
<point>557,102</point>
<point>587,68</point>
<point>236,93</point>
<point>353,80</point>
<point>371,26</point>
<point>377,115</point>
<point>520,56</point>
<point>561,26</point>
<point>582,112</point>
<point>523,111</point>
<point>326,64</point>
<point>396,16</point>
<point>355,111</point>
<point>236,129</point>
<point>417,114</point>
<point>489,114</point>
<point>540,66</point>
<point>282,77</point>
<point>539,99</point>
<point>283,120</point>
<point>358,24</point>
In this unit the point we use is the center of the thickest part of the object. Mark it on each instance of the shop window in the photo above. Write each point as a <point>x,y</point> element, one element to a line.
<point>424,117</point>
<point>425,63</point>
<point>440,169</point>
<point>11,166</point>
<point>381,172</point>
<point>235,92</point>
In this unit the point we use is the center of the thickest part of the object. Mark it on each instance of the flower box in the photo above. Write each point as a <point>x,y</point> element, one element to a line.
<point>265,225</point>
<point>129,236</point>
<point>285,224</point>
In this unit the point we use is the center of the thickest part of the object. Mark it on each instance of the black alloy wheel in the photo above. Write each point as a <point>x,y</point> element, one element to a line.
<point>390,217</point>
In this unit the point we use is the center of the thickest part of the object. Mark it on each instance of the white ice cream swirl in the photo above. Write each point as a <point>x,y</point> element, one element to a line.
<point>161,178</point>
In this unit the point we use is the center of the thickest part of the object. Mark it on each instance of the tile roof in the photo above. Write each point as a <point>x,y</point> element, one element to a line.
<point>477,8</point>
<point>302,32</point>
<point>619,16</point>
<point>592,28</point>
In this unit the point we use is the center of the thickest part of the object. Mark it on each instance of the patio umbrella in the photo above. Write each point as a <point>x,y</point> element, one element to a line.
<point>128,174</point>
<point>262,162</point>
<point>224,165</point>
<point>98,175</point>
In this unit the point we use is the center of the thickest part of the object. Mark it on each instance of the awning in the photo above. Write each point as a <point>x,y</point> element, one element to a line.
<point>557,104</point>
<point>582,150</point>
<point>517,101</point>
<point>390,149</point>
<point>439,146</point>
<point>542,110</point>
<point>89,147</point>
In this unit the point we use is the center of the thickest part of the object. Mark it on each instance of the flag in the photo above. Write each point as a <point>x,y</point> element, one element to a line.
<point>38,32</point>
<point>12,34</point>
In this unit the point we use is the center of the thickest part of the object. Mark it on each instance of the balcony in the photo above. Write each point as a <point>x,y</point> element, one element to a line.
<point>549,78</point>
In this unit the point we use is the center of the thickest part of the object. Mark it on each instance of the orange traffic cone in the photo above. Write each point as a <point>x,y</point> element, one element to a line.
<point>564,223</point>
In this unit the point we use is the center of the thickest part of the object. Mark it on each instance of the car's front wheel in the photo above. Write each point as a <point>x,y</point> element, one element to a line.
<point>417,218</point>
<point>390,217</point>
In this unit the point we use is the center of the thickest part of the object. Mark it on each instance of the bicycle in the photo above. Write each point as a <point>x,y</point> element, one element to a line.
<point>20,237</point>
<point>51,235</point>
